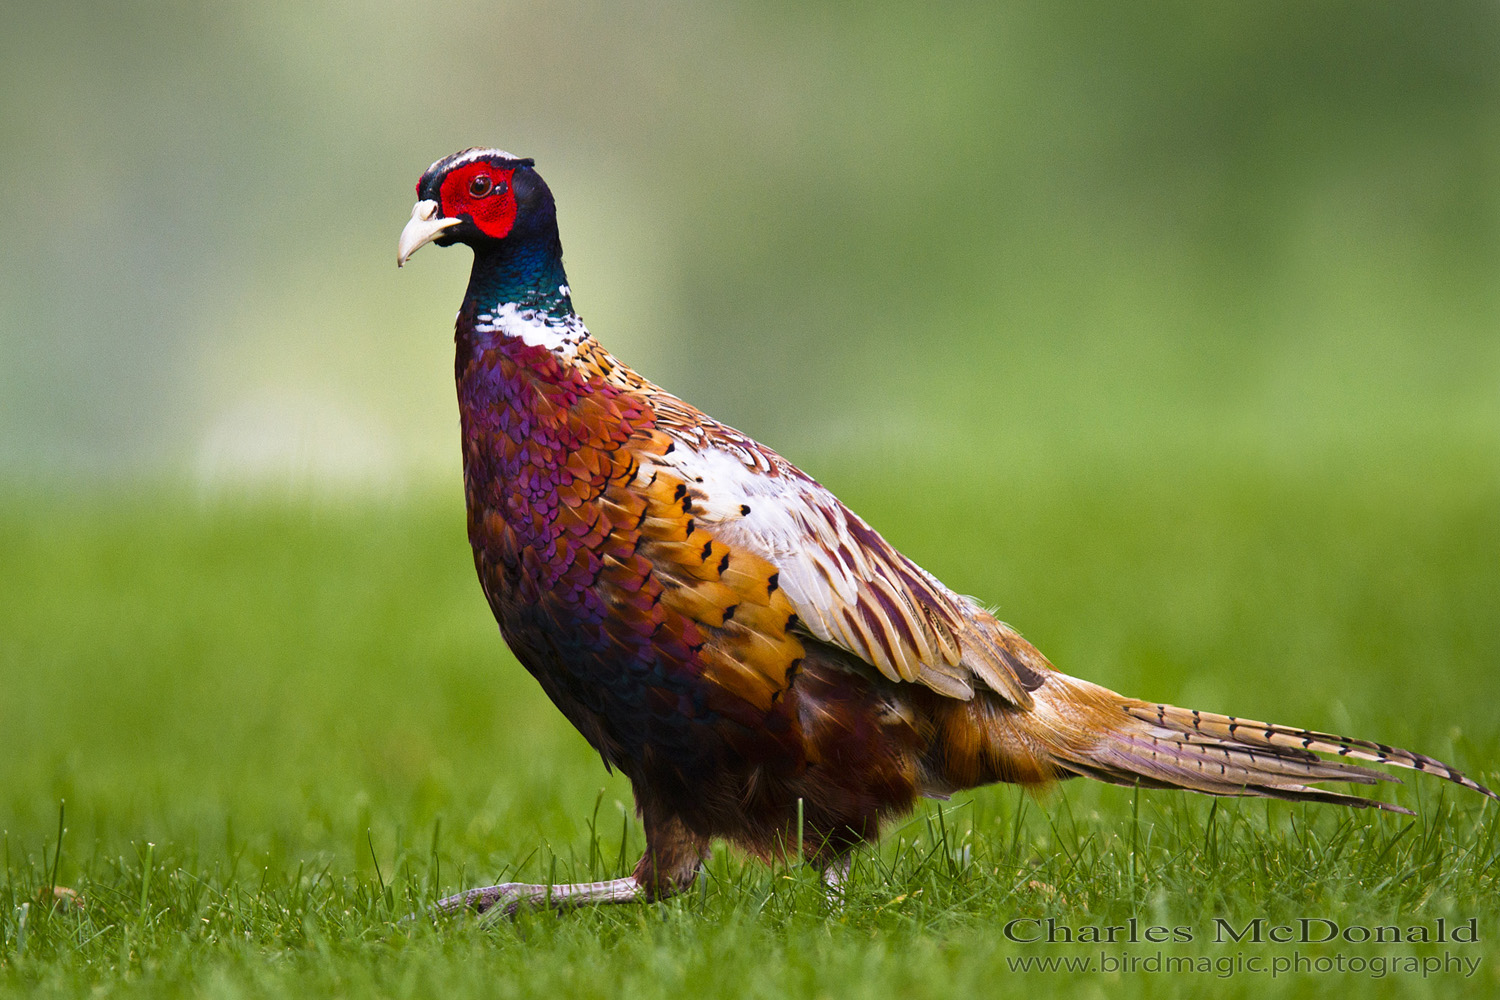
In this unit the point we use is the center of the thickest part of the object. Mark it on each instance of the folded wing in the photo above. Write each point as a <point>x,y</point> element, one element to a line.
<point>846,584</point>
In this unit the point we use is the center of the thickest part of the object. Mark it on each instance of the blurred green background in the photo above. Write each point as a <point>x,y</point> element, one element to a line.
<point>1172,329</point>
<point>1008,229</point>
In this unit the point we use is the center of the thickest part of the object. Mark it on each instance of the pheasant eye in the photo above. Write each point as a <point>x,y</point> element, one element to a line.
<point>480,186</point>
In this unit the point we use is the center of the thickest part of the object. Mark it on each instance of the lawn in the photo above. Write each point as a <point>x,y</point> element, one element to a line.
<point>1171,332</point>
<point>273,729</point>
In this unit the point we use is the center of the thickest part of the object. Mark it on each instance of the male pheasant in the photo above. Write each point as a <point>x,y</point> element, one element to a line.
<point>726,632</point>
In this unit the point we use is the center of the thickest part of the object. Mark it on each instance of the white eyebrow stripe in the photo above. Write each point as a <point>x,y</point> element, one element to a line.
<point>469,156</point>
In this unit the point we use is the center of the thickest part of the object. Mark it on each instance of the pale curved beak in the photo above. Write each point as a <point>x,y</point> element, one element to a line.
<point>423,228</point>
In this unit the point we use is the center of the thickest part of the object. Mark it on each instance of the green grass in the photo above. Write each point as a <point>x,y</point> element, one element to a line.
<point>278,728</point>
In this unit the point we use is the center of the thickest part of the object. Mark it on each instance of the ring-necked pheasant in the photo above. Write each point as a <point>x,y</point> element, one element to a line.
<point>727,633</point>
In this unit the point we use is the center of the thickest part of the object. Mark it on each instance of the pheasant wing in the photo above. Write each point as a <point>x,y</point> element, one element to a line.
<point>847,585</point>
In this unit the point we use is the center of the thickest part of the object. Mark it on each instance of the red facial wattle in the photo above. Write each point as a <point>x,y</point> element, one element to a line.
<point>482,192</point>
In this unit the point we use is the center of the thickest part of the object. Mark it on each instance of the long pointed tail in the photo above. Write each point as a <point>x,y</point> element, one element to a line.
<point>1089,730</point>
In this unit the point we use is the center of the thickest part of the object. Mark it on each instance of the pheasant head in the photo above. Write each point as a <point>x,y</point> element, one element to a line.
<point>480,197</point>
<point>499,206</point>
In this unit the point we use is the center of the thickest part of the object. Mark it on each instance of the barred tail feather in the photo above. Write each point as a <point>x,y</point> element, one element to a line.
<point>1102,735</point>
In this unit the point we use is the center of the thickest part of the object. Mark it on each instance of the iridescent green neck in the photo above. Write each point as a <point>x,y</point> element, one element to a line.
<point>526,273</point>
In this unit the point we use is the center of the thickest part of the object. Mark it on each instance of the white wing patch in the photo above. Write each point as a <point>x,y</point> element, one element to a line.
<point>848,586</point>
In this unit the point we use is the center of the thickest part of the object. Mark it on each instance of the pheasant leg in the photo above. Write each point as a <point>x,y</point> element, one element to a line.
<point>670,865</point>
